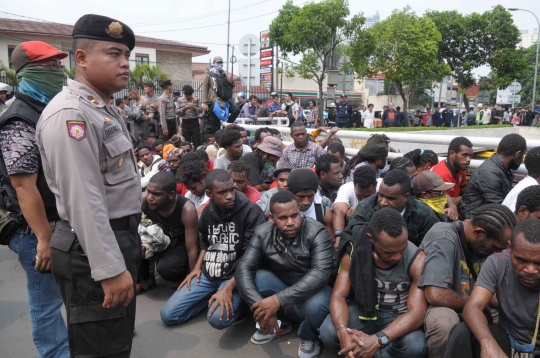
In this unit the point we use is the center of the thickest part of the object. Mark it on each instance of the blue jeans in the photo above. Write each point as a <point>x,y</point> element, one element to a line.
<point>342,124</point>
<point>412,344</point>
<point>309,313</point>
<point>44,300</point>
<point>185,304</point>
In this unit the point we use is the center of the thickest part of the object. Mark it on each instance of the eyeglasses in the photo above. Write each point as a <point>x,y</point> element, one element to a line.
<point>440,192</point>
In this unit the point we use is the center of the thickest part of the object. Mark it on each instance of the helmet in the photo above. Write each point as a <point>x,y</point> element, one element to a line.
<point>136,117</point>
<point>176,92</point>
<point>241,94</point>
<point>5,87</point>
<point>332,105</point>
<point>479,105</point>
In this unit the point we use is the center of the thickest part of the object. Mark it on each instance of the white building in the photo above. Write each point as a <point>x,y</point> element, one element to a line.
<point>528,38</point>
<point>371,20</point>
<point>173,57</point>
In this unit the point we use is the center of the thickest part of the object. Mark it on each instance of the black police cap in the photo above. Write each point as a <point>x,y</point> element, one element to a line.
<point>148,84</point>
<point>188,89</point>
<point>103,28</point>
<point>165,84</point>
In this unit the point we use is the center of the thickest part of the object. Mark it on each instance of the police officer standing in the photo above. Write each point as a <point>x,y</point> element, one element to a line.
<point>167,110</point>
<point>189,112</point>
<point>89,165</point>
<point>150,101</point>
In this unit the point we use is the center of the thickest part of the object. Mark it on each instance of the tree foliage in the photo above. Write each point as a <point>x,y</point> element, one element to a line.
<point>474,40</point>
<point>145,72</point>
<point>527,80</point>
<point>404,47</point>
<point>309,31</point>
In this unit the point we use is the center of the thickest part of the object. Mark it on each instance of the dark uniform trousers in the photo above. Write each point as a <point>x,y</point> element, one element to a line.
<point>213,122</point>
<point>191,131</point>
<point>171,127</point>
<point>94,331</point>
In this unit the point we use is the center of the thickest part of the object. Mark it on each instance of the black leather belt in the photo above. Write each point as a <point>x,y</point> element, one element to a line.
<point>116,224</point>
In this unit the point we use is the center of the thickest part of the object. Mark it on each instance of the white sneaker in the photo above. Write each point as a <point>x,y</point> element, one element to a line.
<point>262,338</point>
<point>309,349</point>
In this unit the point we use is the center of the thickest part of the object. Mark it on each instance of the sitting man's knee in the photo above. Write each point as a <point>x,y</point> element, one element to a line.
<point>441,319</point>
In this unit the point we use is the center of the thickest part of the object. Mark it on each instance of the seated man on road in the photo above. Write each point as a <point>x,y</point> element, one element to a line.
<point>269,151</point>
<point>374,153</point>
<point>301,153</point>
<point>240,173</point>
<point>231,141</point>
<point>328,170</point>
<point>338,150</point>
<point>532,164</point>
<point>284,275</point>
<point>528,204</point>
<point>492,181</point>
<point>453,169</point>
<point>304,184</point>
<point>455,253</point>
<point>226,226</point>
<point>365,184</point>
<point>193,175</point>
<point>382,268</point>
<point>243,135</point>
<point>430,189</point>
<point>282,184</point>
<point>394,192</point>
<point>177,217</point>
<point>150,164</point>
<point>157,145</point>
<point>513,279</point>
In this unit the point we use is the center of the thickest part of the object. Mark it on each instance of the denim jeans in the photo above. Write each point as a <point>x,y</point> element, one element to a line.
<point>185,304</point>
<point>413,344</point>
<point>48,328</point>
<point>309,313</point>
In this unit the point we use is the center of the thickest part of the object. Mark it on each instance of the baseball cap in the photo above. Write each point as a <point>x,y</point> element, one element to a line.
<point>272,145</point>
<point>218,59</point>
<point>176,92</point>
<point>32,51</point>
<point>427,181</point>
<point>343,95</point>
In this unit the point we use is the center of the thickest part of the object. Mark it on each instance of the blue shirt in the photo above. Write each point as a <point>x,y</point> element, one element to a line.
<point>272,107</point>
<point>343,112</point>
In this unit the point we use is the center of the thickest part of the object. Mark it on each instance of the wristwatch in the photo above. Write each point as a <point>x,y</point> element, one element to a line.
<point>383,339</point>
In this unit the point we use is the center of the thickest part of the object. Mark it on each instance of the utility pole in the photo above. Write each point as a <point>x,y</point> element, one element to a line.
<point>228,34</point>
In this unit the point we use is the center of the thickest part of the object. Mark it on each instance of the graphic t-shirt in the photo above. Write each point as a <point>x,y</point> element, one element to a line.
<point>445,265</point>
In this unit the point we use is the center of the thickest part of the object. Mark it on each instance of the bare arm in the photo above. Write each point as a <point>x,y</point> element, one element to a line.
<point>33,210</point>
<point>189,220</point>
<point>445,297</point>
<point>328,221</point>
<point>340,210</point>
<point>478,323</point>
<point>329,135</point>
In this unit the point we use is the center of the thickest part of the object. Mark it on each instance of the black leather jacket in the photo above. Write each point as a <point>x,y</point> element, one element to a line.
<point>305,264</point>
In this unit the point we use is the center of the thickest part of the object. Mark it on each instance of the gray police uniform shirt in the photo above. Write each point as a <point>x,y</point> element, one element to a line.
<point>188,113</point>
<point>166,110</point>
<point>90,167</point>
<point>393,284</point>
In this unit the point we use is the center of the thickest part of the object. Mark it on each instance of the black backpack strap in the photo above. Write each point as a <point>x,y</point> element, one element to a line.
<point>319,213</point>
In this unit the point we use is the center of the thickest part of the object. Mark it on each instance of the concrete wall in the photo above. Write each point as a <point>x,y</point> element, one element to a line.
<point>177,65</point>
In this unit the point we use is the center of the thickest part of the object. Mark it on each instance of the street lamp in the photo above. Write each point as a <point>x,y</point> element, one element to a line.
<point>537,47</point>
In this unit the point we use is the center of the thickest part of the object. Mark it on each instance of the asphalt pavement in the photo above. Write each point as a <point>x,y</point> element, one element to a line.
<point>195,338</point>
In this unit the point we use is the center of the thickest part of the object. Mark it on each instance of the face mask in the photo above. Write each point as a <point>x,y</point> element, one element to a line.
<point>218,66</point>
<point>436,204</point>
<point>42,84</point>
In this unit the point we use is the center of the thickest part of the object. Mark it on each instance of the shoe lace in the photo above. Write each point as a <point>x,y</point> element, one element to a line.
<point>307,345</point>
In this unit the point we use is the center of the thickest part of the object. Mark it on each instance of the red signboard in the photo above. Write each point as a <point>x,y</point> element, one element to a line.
<point>266,53</point>
<point>266,62</point>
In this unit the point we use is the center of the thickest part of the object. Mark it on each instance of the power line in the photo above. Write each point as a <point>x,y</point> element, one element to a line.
<point>197,17</point>
<point>31,18</point>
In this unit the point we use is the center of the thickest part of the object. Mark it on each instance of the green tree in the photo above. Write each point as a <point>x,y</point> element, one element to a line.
<point>474,40</point>
<point>404,47</point>
<point>145,72</point>
<point>310,31</point>
<point>527,80</point>
<point>11,76</point>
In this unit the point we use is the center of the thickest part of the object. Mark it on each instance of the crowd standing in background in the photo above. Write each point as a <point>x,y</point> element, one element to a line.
<point>364,257</point>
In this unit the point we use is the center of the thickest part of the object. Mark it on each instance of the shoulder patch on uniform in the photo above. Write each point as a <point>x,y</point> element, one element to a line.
<point>76,129</point>
<point>162,103</point>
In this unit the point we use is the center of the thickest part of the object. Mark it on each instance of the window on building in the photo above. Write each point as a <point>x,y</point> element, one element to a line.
<point>10,52</point>
<point>142,59</point>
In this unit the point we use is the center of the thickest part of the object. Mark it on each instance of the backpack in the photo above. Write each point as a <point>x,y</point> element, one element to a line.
<point>471,119</point>
<point>290,113</point>
<point>224,89</point>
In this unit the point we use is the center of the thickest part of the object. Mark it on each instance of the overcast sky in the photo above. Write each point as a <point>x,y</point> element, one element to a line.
<point>204,22</point>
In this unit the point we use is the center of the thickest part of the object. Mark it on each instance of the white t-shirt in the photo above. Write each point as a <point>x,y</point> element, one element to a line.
<point>368,118</point>
<point>487,116</point>
<point>294,105</point>
<point>346,194</point>
<point>310,213</point>
<point>198,201</point>
<point>511,198</point>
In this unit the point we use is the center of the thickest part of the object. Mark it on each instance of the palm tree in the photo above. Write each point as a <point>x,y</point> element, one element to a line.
<point>146,72</point>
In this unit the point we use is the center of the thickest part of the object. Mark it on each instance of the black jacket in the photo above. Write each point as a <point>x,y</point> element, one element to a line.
<point>489,184</point>
<point>305,264</point>
<point>225,237</point>
<point>28,110</point>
